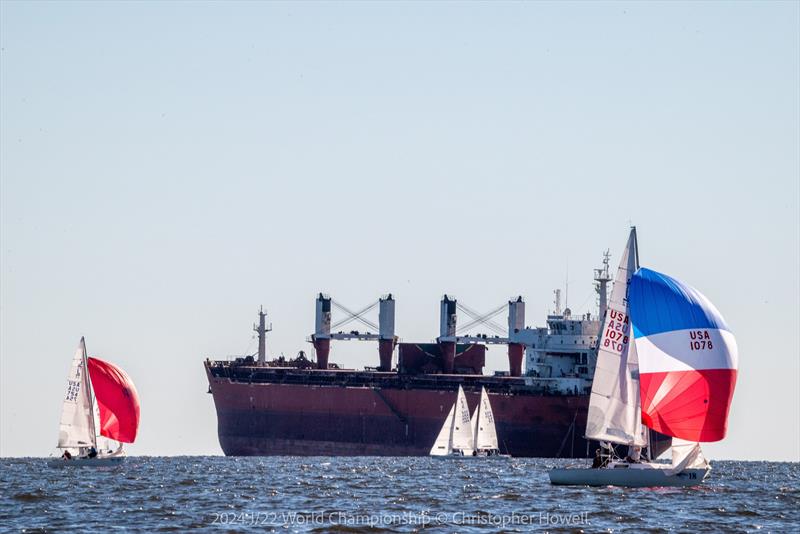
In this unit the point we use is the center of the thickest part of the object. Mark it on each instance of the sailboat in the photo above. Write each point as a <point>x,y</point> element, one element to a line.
<point>97,392</point>
<point>666,363</point>
<point>456,438</point>
<point>484,431</point>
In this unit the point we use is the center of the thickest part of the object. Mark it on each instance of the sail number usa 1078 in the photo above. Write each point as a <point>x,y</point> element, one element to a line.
<point>700,340</point>
<point>616,334</point>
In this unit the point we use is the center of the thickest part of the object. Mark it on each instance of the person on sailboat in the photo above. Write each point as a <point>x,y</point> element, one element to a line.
<point>102,401</point>
<point>634,454</point>
<point>597,463</point>
<point>599,460</point>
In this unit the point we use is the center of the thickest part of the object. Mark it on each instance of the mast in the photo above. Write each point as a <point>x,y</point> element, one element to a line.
<point>614,412</point>
<point>262,330</point>
<point>603,277</point>
<point>477,422</point>
<point>90,393</point>
<point>632,449</point>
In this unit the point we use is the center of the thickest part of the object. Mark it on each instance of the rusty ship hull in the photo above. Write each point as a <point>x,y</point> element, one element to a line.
<point>307,412</point>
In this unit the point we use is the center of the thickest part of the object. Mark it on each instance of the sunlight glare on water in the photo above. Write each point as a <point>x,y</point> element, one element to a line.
<point>318,494</point>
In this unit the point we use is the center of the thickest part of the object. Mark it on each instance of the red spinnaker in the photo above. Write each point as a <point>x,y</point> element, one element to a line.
<point>695,406</point>
<point>117,401</point>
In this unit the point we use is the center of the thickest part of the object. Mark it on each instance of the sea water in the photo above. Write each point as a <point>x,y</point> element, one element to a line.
<point>320,494</point>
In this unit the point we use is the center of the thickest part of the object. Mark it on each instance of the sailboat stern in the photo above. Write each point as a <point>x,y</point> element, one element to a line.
<point>637,475</point>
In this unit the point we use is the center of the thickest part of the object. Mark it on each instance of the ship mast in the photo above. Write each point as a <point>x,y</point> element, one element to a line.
<point>602,277</point>
<point>262,330</point>
<point>557,301</point>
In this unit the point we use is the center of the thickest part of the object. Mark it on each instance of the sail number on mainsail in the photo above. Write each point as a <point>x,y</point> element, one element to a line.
<point>616,335</point>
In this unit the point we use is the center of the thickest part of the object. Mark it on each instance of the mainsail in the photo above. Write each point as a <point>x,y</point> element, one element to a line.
<point>614,414</point>
<point>117,401</point>
<point>687,356</point>
<point>484,431</point>
<point>462,429</point>
<point>77,418</point>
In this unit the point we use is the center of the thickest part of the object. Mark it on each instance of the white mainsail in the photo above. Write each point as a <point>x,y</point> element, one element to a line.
<point>462,429</point>
<point>483,428</point>
<point>77,415</point>
<point>441,446</point>
<point>614,413</point>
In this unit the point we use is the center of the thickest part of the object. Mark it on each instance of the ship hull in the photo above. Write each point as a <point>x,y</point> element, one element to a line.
<point>267,418</point>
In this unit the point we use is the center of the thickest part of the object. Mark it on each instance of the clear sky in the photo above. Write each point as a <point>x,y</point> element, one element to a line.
<point>166,168</point>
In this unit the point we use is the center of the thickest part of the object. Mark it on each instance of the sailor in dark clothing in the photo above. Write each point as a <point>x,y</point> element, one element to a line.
<point>92,453</point>
<point>598,460</point>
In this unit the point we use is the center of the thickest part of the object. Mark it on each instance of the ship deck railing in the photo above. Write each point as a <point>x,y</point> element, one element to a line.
<point>389,380</point>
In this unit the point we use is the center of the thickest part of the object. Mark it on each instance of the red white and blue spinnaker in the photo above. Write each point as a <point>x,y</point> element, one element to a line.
<point>687,358</point>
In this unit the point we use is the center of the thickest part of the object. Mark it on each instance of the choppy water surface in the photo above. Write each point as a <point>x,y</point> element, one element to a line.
<point>290,494</point>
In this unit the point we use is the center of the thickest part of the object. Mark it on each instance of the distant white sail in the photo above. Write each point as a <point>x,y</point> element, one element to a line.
<point>476,415</point>
<point>614,413</point>
<point>483,424</point>
<point>442,445</point>
<point>77,418</point>
<point>462,428</point>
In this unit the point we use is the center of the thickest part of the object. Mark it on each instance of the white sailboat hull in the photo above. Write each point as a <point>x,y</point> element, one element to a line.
<point>469,456</point>
<point>629,475</point>
<point>101,461</point>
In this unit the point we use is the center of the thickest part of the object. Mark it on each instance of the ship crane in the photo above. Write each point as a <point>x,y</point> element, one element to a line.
<point>483,319</point>
<point>355,316</point>
<point>385,337</point>
<point>449,338</point>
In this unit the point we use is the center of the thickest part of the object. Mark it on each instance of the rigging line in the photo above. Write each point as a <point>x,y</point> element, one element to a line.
<point>497,330</point>
<point>366,309</point>
<point>492,326</point>
<point>489,324</point>
<point>483,319</point>
<point>365,322</point>
<point>475,315</point>
<point>469,311</point>
<point>584,302</point>
<point>486,317</point>
<point>356,316</point>
<point>249,346</point>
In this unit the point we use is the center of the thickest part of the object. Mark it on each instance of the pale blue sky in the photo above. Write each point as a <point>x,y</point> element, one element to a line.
<point>167,168</point>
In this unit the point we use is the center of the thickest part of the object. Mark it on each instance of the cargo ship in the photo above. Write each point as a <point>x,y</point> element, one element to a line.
<point>310,406</point>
